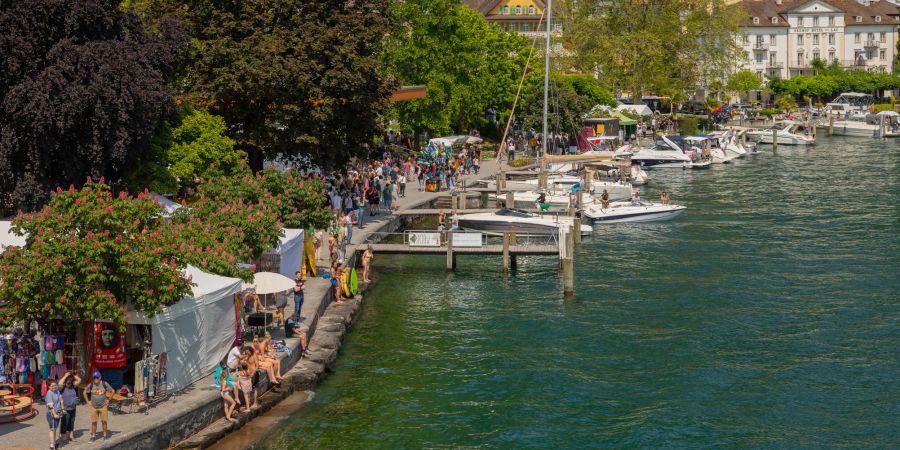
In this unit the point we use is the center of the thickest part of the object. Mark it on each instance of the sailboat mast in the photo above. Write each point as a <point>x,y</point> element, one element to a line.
<point>546,79</point>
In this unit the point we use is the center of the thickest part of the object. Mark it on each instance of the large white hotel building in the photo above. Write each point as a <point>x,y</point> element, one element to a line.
<point>782,37</point>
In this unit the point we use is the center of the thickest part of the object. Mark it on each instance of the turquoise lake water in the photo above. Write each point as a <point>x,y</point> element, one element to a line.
<point>766,316</point>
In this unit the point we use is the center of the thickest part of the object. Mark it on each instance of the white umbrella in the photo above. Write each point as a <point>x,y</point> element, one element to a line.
<point>888,113</point>
<point>269,283</point>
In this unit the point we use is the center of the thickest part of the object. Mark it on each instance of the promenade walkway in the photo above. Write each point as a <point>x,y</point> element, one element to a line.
<point>200,403</point>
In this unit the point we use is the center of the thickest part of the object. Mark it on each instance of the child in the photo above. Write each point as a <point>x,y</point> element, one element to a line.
<point>246,386</point>
<point>226,391</point>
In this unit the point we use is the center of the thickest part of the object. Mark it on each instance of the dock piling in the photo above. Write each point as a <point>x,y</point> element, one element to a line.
<point>506,261</point>
<point>568,265</point>
<point>510,200</point>
<point>451,258</point>
<point>830,125</point>
<point>774,140</point>
<point>577,221</point>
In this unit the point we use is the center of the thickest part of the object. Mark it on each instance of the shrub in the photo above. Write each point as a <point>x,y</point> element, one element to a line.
<point>883,107</point>
<point>688,125</point>
<point>521,162</point>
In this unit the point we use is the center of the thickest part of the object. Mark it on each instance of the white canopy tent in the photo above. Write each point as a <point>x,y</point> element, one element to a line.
<point>290,252</point>
<point>643,110</point>
<point>168,205</point>
<point>197,332</point>
<point>7,238</point>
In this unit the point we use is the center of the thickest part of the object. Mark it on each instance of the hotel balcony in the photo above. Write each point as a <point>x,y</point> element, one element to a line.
<point>774,65</point>
<point>760,47</point>
<point>873,44</point>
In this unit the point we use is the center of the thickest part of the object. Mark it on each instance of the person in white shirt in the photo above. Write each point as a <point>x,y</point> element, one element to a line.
<point>401,180</point>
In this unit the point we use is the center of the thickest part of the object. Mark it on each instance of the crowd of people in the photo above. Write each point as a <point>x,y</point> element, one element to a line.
<point>61,400</point>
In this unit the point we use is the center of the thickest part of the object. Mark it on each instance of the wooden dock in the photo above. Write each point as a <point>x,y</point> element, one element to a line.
<point>404,249</point>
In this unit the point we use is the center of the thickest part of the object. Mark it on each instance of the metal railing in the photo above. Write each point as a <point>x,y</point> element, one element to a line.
<point>760,46</point>
<point>440,238</point>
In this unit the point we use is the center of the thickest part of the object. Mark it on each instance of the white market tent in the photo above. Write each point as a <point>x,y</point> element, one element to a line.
<point>290,252</point>
<point>196,332</point>
<point>7,238</point>
<point>643,110</point>
<point>168,205</point>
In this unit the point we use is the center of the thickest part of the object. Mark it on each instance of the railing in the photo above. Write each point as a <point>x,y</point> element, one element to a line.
<point>461,238</point>
<point>760,46</point>
<point>871,43</point>
<point>774,65</point>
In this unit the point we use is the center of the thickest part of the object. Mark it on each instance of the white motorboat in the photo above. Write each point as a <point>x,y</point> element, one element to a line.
<point>730,142</point>
<point>788,133</point>
<point>559,184</point>
<point>667,153</point>
<point>638,177</point>
<point>708,147</point>
<point>521,222</point>
<point>631,211</point>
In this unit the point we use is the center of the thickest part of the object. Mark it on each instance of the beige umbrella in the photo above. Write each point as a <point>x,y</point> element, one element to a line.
<point>269,283</point>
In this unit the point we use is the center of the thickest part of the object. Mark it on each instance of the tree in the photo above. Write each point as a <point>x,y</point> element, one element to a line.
<point>743,82</point>
<point>88,255</point>
<point>194,146</point>
<point>82,86</point>
<point>565,107</point>
<point>467,65</point>
<point>288,76</point>
<point>589,88</point>
<point>786,103</point>
<point>643,46</point>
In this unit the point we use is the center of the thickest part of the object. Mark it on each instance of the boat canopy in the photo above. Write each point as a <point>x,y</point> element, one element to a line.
<point>510,212</point>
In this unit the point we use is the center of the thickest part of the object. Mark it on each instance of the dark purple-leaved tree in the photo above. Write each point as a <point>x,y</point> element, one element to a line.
<point>82,86</point>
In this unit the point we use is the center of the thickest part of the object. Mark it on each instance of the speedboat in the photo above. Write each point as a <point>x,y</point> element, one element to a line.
<point>730,143</point>
<point>632,211</point>
<point>666,153</point>
<point>638,177</point>
<point>853,127</point>
<point>788,133</point>
<point>708,147</point>
<point>521,222</point>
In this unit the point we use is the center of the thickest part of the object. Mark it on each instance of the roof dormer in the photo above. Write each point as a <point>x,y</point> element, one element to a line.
<point>756,20</point>
<point>858,19</point>
<point>775,19</point>
<point>878,18</point>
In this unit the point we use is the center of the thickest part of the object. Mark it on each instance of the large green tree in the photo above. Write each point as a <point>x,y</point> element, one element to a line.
<point>289,76</point>
<point>743,81</point>
<point>192,146</point>
<point>657,46</point>
<point>88,255</point>
<point>82,86</point>
<point>467,64</point>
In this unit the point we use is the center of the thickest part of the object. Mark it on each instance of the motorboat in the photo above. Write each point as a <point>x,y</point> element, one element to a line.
<point>563,184</point>
<point>666,153</point>
<point>730,143</point>
<point>639,177</point>
<point>788,132</point>
<point>518,221</point>
<point>852,127</point>
<point>708,147</point>
<point>631,211</point>
<point>849,104</point>
<point>889,123</point>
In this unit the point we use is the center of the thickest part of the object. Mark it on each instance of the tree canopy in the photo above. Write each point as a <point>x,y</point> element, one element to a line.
<point>743,81</point>
<point>832,82</point>
<point>642,46</point>
<point>194,145</point>
<point>89,253</point>
<point>82,85</point>
<point>467,64</point>
<point>288,76</point>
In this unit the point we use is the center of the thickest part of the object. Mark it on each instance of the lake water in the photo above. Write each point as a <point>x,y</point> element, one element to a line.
<point>765,316</point>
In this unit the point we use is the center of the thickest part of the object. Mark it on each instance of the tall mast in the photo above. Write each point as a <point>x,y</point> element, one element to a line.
<point>546,79</point>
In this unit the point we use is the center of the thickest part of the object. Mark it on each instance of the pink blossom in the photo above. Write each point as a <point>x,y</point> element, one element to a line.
<point>17,284</point>
<point>102,179</point>
<point>118,238</point>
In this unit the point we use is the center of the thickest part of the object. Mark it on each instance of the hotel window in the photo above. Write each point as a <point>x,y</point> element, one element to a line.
<point>774,20</point>
<point>518,9</point>
<point>871,36</point>
<point>816,21</point>
<point>815,39</point>
<point>756,20</point>
<point>746,39</point>
<point>504,10</point>
<point>831,55</point>
<point>760,57</point>
<point>831,21</point>
<point>881,55</point>
<point>531,10</point>
<point>878,18</point>
<point>856,38</point>
<point>759,73</point>
<point>799,58</point>
<point>557,26</point>
<point>831,39</point>
<point>881,37</point>
<point>799,39</point>
<point>859,18</point>
<point>771,39</point>
<point>526,27</point>
<point>816,54</point>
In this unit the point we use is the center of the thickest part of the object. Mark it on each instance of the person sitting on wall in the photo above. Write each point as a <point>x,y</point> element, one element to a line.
<point>294,328</point>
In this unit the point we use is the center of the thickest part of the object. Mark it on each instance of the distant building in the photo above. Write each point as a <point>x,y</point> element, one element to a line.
<point>521,16</point>
<point>782,37</point>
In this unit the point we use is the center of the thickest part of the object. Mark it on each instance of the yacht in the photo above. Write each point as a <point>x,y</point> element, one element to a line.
<point>707,146</point>
<point>788,133</point>
<point>528,199</point>
<point>521,222</point>
<point>631,211</point>
<point>730,142</point>
<point>666,153</point>
<point>639,177</point>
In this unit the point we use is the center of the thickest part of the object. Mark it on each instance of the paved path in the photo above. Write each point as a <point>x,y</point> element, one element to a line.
<point>32,434</point>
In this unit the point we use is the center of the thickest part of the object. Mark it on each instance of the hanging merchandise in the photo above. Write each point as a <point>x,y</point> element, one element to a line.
<point>109,346</point>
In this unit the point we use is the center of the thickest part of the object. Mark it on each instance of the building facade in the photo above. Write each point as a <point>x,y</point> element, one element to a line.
<point>521,16</point>
<point>781,38</point>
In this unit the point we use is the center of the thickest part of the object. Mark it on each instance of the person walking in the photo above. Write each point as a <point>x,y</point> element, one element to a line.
<point>366,263</point>
<point>97,396</point>
<point>395,196</point>
<point>402,181</point>
<point>54,411</point>
<point>388,196</point>
<point>299,286</point>
<point>69,384</point>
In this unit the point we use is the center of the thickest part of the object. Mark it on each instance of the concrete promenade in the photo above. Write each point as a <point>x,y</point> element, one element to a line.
<point>198,409</point>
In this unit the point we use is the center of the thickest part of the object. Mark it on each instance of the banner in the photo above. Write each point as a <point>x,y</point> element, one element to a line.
<point>467,239</point>
<point>421,239</point>
<point>109,346</point>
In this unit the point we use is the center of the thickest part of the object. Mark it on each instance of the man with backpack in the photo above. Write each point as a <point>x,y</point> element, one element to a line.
<point>97,396</point>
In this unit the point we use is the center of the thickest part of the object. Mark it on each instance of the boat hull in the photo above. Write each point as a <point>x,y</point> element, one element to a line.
<point>634,214</point>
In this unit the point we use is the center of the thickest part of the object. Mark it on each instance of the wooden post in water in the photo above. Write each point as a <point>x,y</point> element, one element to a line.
<point>568,266</point>
<point>505,266</point>
<point>774,140</point>
<point>453,198</point>
<point>510,200</point>
<point>484,199</point>
<point>502,180</point>
<point>571,210</point>
<point>577,221</point>
<point>830,125</point>
<point>451,258</point>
